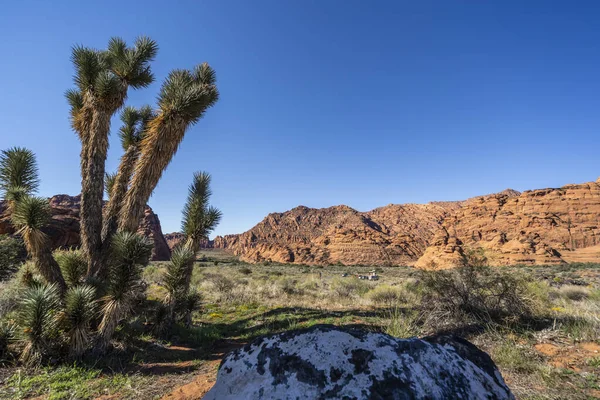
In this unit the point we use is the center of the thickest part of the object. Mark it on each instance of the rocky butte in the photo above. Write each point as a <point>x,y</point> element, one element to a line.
<point>534,227</point>
<point>63,230</point>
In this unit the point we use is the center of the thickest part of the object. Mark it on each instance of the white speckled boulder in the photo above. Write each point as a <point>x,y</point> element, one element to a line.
<point>327,362</point>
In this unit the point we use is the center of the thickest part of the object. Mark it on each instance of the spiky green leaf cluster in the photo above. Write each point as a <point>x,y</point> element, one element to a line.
<point>134,125</point>
<point>132,64</point>
<point>188,94</point>
<point>199,219</point>
<point>106,73</point>
<point>109,182</point>
<point>130,252</point>
<point>79,311</point>
<point>73,265</point>
<point>131,249</point>
<point>31,212</point>
<point>18,171</point>
<point>8,335</point>
<point>177,271</point>
<point>38,317</point>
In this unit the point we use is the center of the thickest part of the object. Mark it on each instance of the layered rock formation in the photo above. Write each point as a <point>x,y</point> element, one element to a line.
<point>64,227</point>
<point>534,227</point>
<point>542,226</point>
<point>394,234</point>
<point>327,362</point>
<point>175,238</point>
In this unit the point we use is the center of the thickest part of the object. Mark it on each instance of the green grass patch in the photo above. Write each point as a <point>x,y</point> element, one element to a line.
<point>70,383</point>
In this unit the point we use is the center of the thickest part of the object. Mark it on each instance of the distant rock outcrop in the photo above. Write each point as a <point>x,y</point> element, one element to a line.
<point>175,238</point>
<point>542,226</point>
<point>534,227</point>
<point>327,362</point>
<point>64,227</point>
<point>394,234</point>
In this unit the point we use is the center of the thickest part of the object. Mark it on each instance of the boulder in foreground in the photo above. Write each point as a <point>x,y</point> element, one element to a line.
<point>328,362</point>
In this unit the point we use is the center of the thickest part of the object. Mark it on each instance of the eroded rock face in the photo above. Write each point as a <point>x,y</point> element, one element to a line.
<point>64,227</point>
<point>390,235</point>
<point>542,226</point>
<point>175,238</point>
<point>327,362</point>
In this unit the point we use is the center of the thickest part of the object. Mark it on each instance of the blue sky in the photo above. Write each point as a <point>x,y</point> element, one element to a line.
<point>329,102</point>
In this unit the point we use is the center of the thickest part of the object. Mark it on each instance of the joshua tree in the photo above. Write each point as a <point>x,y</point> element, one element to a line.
<point>199,219</point>
<point>29,216</point>
<point>183,99</point>
<point>102,79</point>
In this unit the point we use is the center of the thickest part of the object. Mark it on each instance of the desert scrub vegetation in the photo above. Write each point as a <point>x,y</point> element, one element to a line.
<point>12,254</point>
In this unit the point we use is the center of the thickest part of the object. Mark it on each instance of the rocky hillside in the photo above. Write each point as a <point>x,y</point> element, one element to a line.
<point>175,238</point>
<point>64,228</point>
<point>534,227</point>
<point>394,234</point>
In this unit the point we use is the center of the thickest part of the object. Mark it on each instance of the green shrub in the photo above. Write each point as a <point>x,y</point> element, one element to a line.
<point>7,336</point>
<point>402,324</point>
<point>245,271</point>
<point>575,293</point>
<point>387,296</point>
<point>12,254</point>
<point>475,294</point>
<point>349,287</point>
<point>289,286</point>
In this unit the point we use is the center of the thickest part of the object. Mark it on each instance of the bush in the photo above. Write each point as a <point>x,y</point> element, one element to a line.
<point>475,294</point>
<point>7,336</point>
<point>575,293</point>
<point>289,286</point>
<point>12,254</point>
<point>402,324</point>
<point>387,296</point>
<point>220,283</point>
<point>245,271</point>
<point>349,287</point>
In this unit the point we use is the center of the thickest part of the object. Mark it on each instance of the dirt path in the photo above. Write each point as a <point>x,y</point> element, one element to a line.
<point>574,357</point>
<point>205,377</point>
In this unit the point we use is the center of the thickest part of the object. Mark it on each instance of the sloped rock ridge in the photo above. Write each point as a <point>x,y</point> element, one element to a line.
<point>63,230</point>
<point>390,235</point>
<point>328,362</point>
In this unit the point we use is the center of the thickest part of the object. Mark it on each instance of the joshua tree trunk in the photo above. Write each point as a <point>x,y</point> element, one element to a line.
<point>115,202</point>
<point>92,188</point>
<point>39,248</point>
<point>49,268</point>
<point>157,149</point>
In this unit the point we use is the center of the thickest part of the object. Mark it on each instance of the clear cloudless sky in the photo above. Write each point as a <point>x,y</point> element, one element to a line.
<point>327,102</point>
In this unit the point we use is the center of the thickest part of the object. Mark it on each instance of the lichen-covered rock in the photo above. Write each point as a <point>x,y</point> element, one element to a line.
<point>327,362</point>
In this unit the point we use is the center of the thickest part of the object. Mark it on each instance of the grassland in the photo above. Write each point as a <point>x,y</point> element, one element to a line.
<point>554,353</point>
